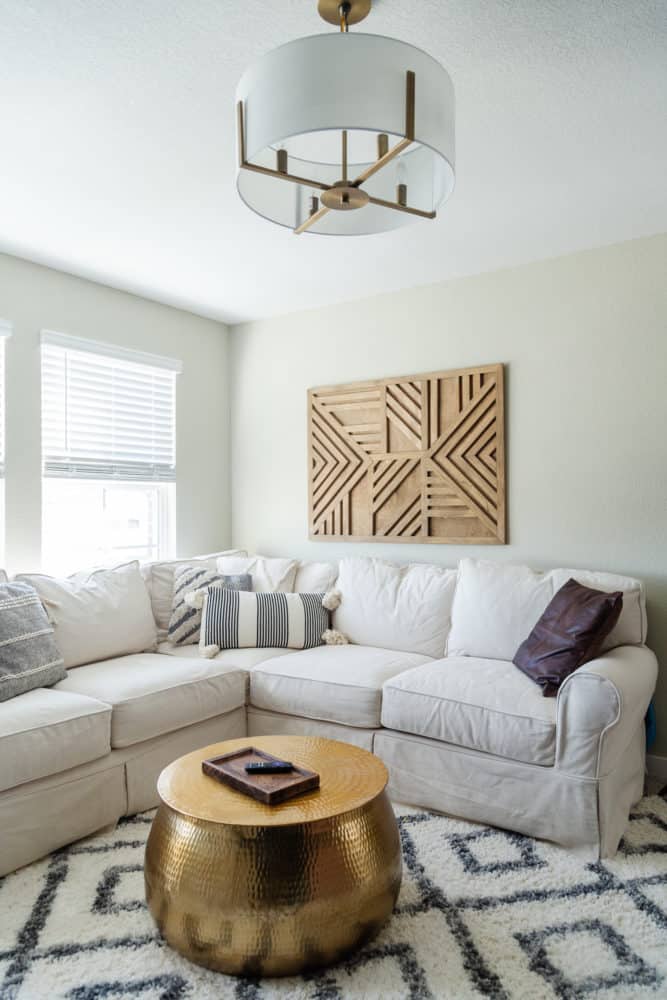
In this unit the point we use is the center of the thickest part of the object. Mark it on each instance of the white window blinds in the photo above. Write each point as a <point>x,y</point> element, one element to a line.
<point>107,413</point>
<point>5,331</point>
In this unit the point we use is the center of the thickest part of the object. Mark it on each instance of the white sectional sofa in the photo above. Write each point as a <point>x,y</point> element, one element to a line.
<point>426,682</point>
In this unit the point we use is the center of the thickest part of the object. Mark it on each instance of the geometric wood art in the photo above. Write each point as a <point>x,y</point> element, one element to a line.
<point>414,459</point>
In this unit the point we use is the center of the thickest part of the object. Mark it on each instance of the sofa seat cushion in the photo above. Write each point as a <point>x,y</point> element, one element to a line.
<point>152,694</point>
<point>244,659</point>
<point>46,731</point>
<point>332,683</point>
<point>486,705</point>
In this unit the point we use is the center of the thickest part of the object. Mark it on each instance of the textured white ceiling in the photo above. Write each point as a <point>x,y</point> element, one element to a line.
<point>117,144</point>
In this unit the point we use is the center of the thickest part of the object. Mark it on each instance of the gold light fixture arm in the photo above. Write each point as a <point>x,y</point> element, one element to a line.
<point>382,162</point>
<point>402,144</point>
<point>240,130</point>
<point>292,178</point>
<point>401,208</point>
<point>385,157</point>
<point>311,220</point>
<point>268,171</point>
<point>410,105</point>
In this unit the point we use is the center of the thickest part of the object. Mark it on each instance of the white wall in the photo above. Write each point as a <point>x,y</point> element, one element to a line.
<point>33,298</point>
<point>584,339</point>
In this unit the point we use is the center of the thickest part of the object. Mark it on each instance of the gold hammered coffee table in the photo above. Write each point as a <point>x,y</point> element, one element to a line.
<point>258,890</point>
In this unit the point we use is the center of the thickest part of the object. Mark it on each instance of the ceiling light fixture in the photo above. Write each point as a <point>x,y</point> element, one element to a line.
<point>345,134</point>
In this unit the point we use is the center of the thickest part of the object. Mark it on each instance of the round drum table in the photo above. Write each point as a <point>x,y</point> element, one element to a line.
<point>258,890</point>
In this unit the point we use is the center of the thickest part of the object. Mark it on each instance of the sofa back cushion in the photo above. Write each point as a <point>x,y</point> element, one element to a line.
<point>315,577</point>
<point>495,608</point>
<point>159,577</point>
<point>97,615</point>
<point>269,575</point>
<point>395,607</point>
<point>630,629</point>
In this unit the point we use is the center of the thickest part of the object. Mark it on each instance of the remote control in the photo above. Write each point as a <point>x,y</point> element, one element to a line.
<point>270,767</point>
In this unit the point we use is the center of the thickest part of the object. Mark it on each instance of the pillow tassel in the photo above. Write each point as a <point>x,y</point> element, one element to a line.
<point>332,637</point>
<point>208,652</point>
<point>331,600</point>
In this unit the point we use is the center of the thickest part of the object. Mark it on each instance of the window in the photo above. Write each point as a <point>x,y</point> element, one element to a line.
<point>5,331</point>
<point>109,454</point>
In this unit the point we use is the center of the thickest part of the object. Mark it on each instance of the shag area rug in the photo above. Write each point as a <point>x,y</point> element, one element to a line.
<point>482,913</point>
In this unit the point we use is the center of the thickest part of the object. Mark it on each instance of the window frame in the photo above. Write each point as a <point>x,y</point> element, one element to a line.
<point>163,479</point>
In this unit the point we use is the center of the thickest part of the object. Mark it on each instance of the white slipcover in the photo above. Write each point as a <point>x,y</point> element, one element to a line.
<point>333,683</point>
<point>600,707</point>
<point>586,748</point>
<point>160,580</point>
<point>268,574</point>
<point>495,608</point>
<point>583,800</point>
<point>631,625</point>
<point>483,704</point>
<point>98,615</point>
<point>262,723</point>
<point>315,577</point>
<point>153,694</point>
<point>395,607</point>
<point>46,731</point>
<point>243,659</point>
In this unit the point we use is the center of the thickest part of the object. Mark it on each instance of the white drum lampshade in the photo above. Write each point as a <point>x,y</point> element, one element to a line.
<point>369,117</point>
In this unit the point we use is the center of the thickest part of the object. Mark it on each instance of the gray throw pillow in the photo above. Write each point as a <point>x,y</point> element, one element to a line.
<point>30,658</point>
<point>185,622</point>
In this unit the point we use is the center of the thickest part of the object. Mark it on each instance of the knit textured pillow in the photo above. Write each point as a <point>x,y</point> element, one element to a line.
<point>30,658</point>
<point>185,621</point>
<point>233,620</point>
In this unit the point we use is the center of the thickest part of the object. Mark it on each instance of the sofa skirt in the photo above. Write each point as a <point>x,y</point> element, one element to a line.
<point>586,815</point>
<point>264,723</point>
<point>40,816</point>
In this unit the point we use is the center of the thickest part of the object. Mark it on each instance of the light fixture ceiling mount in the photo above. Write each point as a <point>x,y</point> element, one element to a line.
<point>357,129</point>
<point>344,14</point>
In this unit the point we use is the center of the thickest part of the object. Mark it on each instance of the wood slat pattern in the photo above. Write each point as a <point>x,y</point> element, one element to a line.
<point>419,458</point>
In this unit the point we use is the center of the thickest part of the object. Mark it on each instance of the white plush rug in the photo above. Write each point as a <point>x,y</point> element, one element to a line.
<point>481,913</point>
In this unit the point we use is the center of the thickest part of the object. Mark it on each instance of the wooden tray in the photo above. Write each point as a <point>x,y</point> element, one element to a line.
<point>229,769</point>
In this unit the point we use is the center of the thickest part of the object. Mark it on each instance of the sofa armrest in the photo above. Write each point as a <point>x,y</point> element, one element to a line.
<point>600,707</point>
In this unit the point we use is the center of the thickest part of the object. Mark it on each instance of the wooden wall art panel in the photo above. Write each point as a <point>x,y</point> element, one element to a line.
<point>413,459</point>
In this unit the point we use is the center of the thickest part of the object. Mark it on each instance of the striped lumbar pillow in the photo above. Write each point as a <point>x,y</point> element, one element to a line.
<point>185,619</point>
<point>29,655</point>
<point>234,620</point>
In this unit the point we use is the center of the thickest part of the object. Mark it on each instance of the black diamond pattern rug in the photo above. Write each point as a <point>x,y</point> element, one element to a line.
<point>482,913</point>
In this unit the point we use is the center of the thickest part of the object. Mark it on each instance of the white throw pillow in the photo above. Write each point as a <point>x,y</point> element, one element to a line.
<point>495,608</point>
<point>395,607</point>
<point>161,586</point>
<point>268,575</point>
<point>630,629</point>
<point>99,615</point>
<point>315,577</point>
